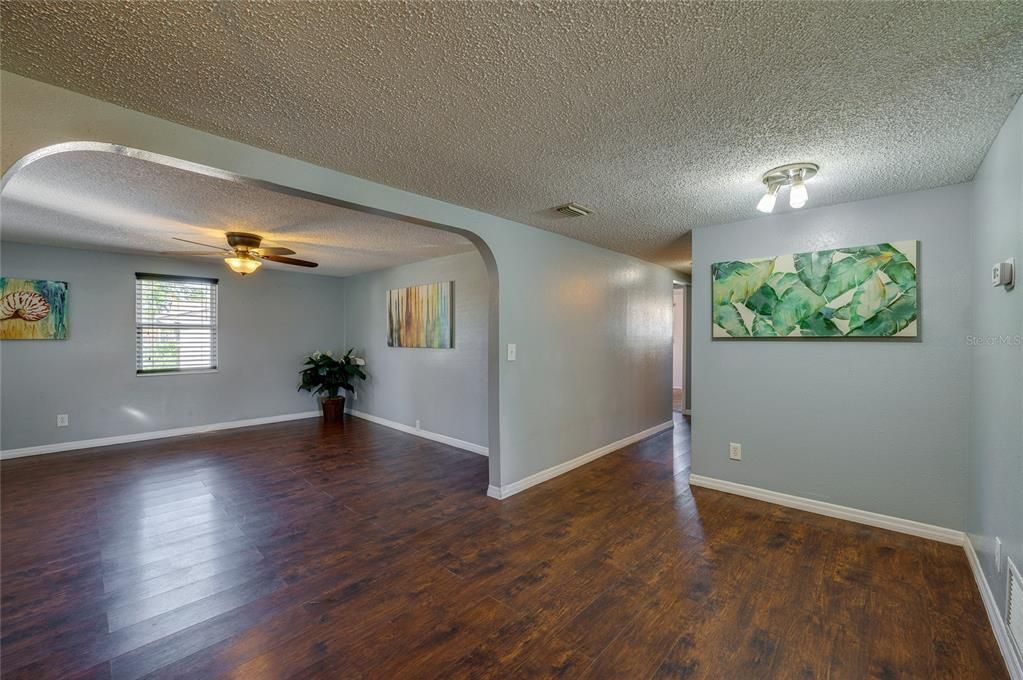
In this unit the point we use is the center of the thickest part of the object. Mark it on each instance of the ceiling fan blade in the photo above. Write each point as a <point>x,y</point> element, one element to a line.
<point>191,253</point>
<point>276,250</point>
<point>205,245</point>
<point>290,260</point>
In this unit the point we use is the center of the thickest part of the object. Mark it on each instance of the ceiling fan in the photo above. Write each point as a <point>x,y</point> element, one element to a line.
<point>244,254</point>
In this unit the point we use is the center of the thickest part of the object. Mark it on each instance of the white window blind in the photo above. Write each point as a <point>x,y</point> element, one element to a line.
<point>175,324</point>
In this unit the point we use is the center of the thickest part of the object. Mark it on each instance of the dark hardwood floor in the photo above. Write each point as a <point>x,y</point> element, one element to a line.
<point>307,551</point>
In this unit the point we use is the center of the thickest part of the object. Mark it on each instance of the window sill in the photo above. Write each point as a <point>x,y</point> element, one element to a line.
<point>161,374</point>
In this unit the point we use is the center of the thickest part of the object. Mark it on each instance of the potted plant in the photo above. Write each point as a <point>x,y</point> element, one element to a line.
<point>327,376</point>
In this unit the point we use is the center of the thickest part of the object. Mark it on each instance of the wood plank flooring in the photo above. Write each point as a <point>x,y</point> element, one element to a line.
<point>353,551</point>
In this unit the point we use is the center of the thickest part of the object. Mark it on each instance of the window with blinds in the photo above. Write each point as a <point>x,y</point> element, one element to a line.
<point>175,324</point>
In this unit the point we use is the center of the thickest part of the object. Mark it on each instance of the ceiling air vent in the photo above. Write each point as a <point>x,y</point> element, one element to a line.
<point>573,210</point>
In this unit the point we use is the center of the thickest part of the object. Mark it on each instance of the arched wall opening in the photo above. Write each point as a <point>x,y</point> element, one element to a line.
<point>493,354</point>
<point>592,327</point>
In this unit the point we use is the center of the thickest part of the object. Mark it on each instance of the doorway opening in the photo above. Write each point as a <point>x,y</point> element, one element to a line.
<point>680,348</point>
<point>123,166</point>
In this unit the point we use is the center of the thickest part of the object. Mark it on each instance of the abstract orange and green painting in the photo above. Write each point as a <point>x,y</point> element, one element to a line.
<point>420,316</point>
<point>33,310</point>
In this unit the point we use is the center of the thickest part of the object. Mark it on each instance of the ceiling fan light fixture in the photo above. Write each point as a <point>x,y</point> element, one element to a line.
<point>243,263</point>
<point>247,253</point>
<point>794,176</point>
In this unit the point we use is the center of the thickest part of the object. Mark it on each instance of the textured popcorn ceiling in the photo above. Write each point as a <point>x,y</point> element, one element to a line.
<point>101,201</point>
<point>658,116</point>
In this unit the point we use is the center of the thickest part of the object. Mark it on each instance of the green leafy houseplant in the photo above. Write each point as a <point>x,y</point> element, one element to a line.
<point>327,376</point>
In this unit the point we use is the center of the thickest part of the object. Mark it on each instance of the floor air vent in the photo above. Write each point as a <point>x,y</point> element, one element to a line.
<point>1014,607</point>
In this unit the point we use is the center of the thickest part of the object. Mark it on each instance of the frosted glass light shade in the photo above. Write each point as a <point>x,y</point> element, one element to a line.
<point>243,265</point>
<point>766,203</point>
<point>797,195</point>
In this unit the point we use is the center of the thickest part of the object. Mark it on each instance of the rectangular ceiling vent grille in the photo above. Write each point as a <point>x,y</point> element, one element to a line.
<point>573,210</point>
<point>1014,608</point>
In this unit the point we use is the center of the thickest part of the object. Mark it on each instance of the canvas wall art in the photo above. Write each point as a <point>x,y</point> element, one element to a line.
<point>865,291</point>
<point>33,310</point>
<point>420,316</point>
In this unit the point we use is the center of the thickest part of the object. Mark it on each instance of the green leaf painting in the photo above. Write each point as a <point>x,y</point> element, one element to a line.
<point>737,281</point>
<point>814,269</point>
<point>866,291</point>
<point>727,317</point>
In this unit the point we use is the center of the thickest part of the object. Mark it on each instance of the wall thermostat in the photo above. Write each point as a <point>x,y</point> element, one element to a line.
<point>1004,273</point>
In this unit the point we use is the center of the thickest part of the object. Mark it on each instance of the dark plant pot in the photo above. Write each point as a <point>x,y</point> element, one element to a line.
<point>333,409</point>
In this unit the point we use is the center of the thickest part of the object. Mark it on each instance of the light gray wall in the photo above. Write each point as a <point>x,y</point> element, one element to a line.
<point>593,330</point>
<point>996,407</point>
<point>267,323</point>
<point>878,425</point>
<point>588,322</point>
<point>445,389</point>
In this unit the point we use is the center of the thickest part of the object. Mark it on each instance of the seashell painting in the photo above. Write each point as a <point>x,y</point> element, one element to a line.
<point>33,309</point>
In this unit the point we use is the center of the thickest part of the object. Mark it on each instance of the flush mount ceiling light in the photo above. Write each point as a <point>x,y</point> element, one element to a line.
<point>794,176</point>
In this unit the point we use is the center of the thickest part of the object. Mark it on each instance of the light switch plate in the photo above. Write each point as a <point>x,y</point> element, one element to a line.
<point>512,351</point>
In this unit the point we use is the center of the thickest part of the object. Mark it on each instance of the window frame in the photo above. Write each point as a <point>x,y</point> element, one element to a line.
<point>214,326</point>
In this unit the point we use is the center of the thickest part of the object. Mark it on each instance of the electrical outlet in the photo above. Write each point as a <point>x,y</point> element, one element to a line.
<point>62,420</point>
<point>1004,273</point>
<point>417,424</point>
<point>998,554</point>
<point>735,451</point>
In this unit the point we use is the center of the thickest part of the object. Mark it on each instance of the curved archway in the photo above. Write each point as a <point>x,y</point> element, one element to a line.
<point>493,354</point>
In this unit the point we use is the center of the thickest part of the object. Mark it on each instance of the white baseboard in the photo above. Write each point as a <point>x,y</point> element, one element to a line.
<point>874,519</point>
<point>560,469</point>
<point>432,436</point>
<point>156,434</point>
<point>994,614</point>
